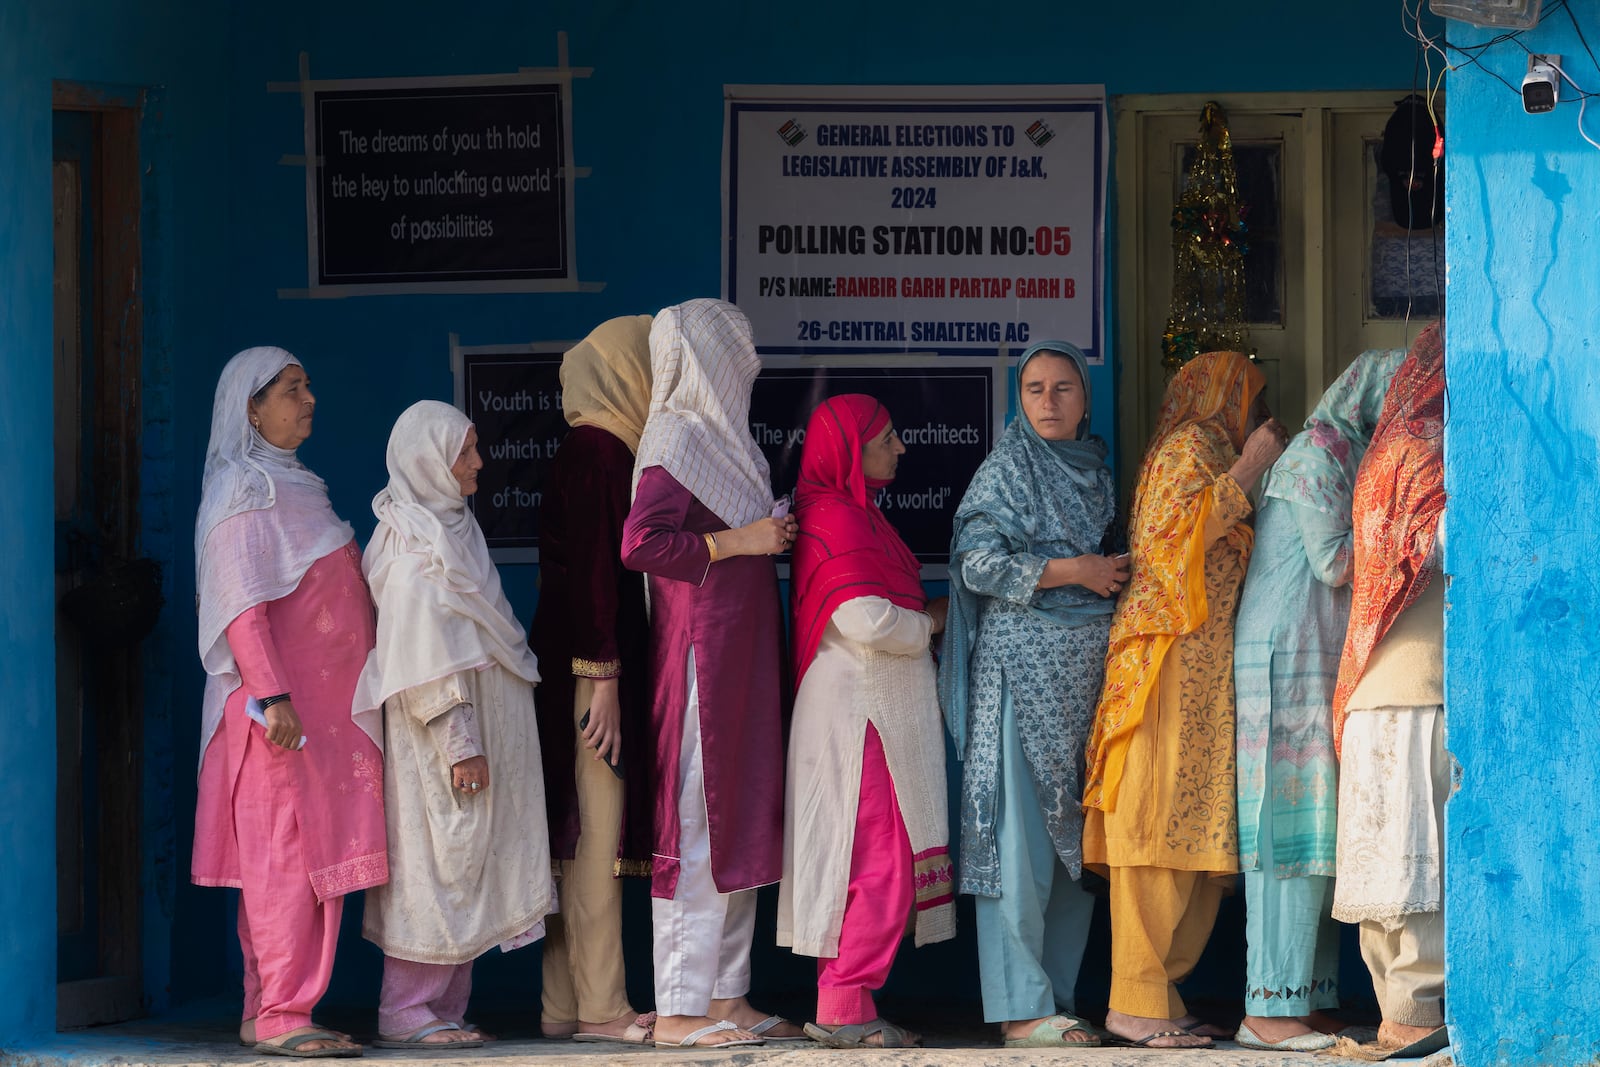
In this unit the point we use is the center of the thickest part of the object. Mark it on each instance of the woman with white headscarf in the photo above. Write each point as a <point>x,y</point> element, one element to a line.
<point>702,528</point>
<point>290,804</point>
<point>469,857</point>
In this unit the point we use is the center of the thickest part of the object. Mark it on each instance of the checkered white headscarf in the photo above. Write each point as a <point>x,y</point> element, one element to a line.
<point>703,363</point>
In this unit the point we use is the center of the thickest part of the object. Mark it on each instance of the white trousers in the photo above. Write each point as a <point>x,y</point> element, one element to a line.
<point>702,937</point>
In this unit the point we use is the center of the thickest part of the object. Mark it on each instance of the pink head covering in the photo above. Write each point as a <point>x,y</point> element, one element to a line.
<point>846,548</point>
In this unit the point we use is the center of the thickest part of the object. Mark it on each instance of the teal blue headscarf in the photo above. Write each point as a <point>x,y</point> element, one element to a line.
<point>1026,486</point>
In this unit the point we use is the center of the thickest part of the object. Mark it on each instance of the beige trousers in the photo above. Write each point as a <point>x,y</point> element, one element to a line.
<point>1407,965</point>
<point>583,972</point>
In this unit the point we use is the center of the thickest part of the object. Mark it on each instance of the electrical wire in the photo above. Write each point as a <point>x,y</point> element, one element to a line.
<point>1583,104</point>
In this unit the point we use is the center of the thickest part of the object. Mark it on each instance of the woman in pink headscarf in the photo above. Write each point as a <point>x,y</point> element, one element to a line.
<point>865,831</point>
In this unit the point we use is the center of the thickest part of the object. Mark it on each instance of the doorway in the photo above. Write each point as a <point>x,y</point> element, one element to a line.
<point>99,705</point>
<point>1328,274</point>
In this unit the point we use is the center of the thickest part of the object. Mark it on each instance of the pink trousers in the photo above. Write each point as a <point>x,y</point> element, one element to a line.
<point>287,935</point>
<point>416,994</point>
<point>878,903</point>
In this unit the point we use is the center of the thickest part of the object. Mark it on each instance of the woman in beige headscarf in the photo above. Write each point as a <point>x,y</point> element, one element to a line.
<point>591,633</point>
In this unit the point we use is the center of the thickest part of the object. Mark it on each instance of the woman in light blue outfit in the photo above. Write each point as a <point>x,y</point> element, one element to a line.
<point>1030,611</point>
<point>1287,641</point>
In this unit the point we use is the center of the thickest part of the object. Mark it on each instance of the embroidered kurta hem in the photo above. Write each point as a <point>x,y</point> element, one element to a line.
<point>467,873</point>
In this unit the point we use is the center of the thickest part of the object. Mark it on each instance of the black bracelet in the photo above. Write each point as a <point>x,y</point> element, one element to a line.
<point>267,702</point>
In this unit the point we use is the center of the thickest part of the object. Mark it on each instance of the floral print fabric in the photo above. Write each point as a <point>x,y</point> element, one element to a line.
<point>1399,500</point>
<point>1182,488</point>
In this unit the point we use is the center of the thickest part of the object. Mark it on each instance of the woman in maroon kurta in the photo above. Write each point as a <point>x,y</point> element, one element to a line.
<point>702,527</point>
<point>592,638</point>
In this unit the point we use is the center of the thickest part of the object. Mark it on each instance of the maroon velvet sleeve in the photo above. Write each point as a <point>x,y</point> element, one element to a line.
<point>654,539</point>
<point>594,546</point>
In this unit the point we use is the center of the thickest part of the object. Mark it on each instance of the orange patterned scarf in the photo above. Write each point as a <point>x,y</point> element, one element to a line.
<point>1199,432</point>
<point>1399,499</point>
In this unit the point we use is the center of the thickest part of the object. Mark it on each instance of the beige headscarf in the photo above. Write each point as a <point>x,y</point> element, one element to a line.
<point>605,379</point>
<point>704,364</point>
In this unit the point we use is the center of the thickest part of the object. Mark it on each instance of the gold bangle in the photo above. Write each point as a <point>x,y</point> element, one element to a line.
<point>711,546</point>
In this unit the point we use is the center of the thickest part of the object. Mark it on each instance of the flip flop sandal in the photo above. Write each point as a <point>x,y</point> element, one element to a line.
<point>639,1032</point>
<point>336,1033</point>
<point>691,1040</point>
<point>772,1022</point>
<point>292,1046</point>
<point>854,1035</point>
<point>415,1040</point>
<point>1048,1035</point>
<point>1144,1042</point>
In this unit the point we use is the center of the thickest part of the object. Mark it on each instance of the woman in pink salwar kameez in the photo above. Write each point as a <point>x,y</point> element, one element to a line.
<point>702,528</point>
<point>866,834</point>
<point>290,806</point>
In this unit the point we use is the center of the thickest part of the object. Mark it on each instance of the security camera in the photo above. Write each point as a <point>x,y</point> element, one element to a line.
<point>1541,86</point>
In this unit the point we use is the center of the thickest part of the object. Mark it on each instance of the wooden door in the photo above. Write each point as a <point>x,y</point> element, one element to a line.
<point>98,324</point>
<point>1328,273</point>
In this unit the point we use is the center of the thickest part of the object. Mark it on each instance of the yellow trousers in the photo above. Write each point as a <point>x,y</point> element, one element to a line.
<point>583,972</point>
<point>1160,922</point>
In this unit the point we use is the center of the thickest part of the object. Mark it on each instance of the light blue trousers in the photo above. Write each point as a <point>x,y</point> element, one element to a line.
<point>1031,937</point>
<point>1292,942</point>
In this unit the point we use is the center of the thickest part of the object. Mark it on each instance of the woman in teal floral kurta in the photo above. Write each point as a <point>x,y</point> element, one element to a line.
<point>1287,640</point>
<point>1024,657</point>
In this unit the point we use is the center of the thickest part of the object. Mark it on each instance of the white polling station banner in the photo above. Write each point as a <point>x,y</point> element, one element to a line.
<point>960,220</point>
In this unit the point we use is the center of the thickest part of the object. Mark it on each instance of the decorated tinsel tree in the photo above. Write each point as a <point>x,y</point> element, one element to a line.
<point>1208,246</point>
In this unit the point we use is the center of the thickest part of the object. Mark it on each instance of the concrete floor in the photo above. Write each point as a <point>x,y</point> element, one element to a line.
<point>195,1041</point>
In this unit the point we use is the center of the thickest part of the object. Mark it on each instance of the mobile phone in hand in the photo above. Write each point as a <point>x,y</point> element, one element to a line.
<point>616,768</point>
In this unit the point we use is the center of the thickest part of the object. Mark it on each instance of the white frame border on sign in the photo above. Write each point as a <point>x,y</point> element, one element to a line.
<point>935,94</point>
<point>308,88</point>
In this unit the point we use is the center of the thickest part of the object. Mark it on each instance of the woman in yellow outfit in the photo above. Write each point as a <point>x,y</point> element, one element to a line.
<point>1160,795</point>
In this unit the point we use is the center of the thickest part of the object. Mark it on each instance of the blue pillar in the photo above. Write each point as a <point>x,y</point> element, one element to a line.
<point>1523,552</point>
<point>27,549</point>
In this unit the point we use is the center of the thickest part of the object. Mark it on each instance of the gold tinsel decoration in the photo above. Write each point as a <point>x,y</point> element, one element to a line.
<point>1208,247</point>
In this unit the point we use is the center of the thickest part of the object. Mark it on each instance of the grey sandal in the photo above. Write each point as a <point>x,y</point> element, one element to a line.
<point>854,1035</point>
<point>414,1040</point>
<point>293,1046</point>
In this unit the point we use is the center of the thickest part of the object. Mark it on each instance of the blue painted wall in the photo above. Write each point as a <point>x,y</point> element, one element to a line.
<point>225,231</point>
<point>1523,365</point>
<point>171,47</point>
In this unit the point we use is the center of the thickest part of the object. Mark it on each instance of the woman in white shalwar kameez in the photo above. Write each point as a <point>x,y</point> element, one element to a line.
<point>469,853</point>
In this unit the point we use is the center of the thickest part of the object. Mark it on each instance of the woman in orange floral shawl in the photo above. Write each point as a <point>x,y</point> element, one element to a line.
<point>1160,792</point>
<point>1389,710</point>
<point>1399,499</point>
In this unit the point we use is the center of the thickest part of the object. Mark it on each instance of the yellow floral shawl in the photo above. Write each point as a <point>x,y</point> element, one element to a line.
<point>1198,435</point>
